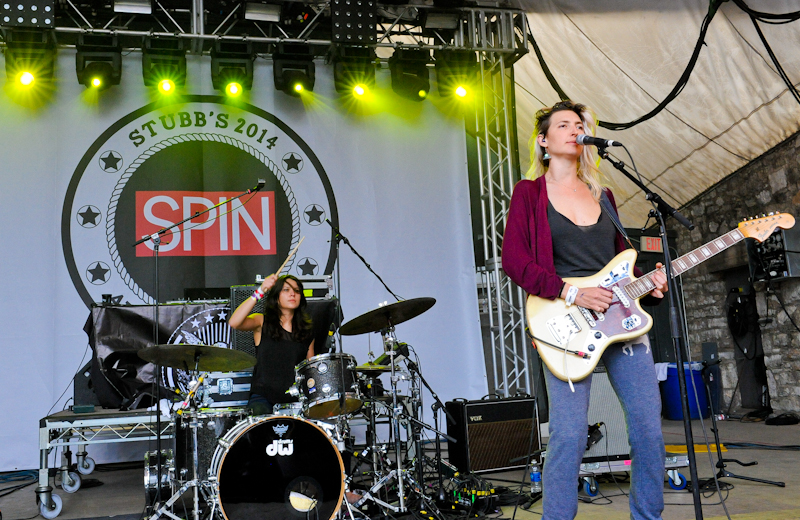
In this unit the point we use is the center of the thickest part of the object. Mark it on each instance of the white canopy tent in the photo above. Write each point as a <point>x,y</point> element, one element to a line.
<point>623,57</point>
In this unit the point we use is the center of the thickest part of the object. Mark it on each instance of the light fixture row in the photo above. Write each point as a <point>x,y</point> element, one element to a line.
<point>98,65</point>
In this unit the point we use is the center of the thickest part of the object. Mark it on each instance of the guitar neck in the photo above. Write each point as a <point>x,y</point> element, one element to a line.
<point>644,285</point>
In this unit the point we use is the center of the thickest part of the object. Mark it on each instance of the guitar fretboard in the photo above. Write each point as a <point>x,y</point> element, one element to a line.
<point>645,284</point>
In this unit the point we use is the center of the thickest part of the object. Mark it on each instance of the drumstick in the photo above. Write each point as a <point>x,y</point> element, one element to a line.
<point>291,254</point>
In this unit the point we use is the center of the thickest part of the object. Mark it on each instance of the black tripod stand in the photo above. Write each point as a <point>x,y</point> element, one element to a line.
<point>721,462</point>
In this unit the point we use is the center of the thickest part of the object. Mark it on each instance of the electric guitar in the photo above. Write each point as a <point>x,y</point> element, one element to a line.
<point>571,340</point>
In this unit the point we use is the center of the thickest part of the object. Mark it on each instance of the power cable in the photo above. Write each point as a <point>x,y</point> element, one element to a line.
<point>676,90</point>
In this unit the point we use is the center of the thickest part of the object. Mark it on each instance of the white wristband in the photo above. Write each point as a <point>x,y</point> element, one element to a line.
<point>572,293</point>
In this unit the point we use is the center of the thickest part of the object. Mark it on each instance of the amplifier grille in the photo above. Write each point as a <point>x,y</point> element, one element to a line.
<point>493,445</point>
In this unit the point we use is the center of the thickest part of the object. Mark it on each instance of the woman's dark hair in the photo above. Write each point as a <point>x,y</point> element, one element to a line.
<point>301,322</point>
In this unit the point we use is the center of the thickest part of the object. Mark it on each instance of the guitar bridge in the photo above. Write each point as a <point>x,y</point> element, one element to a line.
<point>563,328</point>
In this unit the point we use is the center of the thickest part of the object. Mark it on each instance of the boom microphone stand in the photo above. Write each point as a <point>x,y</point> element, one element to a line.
<point>155,238</point>
<point>660,212</point>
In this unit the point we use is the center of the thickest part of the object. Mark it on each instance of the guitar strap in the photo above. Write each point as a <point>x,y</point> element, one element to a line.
<point>609,209</point>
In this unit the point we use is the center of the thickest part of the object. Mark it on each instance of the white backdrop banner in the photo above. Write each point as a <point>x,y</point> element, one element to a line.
<point>83,179</point>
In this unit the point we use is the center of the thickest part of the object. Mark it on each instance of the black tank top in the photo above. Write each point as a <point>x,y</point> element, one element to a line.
<point>276,359</point>
<point>581,250</point>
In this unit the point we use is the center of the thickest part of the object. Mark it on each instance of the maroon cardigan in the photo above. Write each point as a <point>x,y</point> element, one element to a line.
<point>528,244</point>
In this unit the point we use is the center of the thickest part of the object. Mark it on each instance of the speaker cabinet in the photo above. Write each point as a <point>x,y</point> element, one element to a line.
<point>776,257</point>
<point>491,434</point>
<point>604,406</point>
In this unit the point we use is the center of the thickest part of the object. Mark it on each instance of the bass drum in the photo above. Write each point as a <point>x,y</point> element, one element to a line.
<point>277,468</point>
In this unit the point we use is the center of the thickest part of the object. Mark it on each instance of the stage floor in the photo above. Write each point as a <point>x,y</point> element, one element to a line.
<point>122,494</point>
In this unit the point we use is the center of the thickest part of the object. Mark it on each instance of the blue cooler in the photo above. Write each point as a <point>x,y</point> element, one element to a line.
<point>671,395</point>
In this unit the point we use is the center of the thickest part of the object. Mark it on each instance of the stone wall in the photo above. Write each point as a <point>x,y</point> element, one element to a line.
<point>769,183</point>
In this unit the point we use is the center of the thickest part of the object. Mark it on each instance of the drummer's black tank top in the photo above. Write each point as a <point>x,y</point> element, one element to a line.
<point>274,372</point>
<point>581,250</point>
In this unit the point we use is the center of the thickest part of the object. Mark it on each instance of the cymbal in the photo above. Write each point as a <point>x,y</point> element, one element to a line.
<point>204,357</point>
<point>386,316</point>
<point>371,367</point>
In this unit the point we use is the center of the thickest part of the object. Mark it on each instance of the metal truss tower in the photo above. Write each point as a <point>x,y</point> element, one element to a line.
<point>498,166</point>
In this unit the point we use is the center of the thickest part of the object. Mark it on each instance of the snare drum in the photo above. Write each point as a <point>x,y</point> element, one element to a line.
<point>211,425</point>
<point>321,381</point>
<point>277,467</point>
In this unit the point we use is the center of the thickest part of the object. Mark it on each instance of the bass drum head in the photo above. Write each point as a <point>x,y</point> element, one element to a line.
<point>278,468</point>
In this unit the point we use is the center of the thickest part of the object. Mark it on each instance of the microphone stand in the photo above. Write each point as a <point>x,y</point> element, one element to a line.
<point>662,211</point>
<point>155,238</point>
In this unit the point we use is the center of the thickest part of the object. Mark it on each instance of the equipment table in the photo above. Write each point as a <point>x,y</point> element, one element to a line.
<point>66,429</point>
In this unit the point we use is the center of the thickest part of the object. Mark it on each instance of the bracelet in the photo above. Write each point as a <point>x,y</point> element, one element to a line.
<point>257,295</point>
<point>572,293</point>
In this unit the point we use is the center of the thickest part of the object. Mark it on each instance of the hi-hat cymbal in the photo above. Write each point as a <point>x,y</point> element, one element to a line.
<point>200,357</point>
<point>372,367</point>
<point>386,316</point>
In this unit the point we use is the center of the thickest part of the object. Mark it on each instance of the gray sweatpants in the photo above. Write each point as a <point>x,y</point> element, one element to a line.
<point>633,377</point>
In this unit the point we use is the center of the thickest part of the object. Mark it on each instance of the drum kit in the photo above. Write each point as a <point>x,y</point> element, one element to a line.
<point>299,461</point>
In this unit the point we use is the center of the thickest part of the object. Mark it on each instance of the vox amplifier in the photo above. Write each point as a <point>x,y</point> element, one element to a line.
<point>491,434</point>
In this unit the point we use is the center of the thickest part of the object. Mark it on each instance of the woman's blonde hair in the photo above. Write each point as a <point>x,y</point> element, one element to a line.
<point>587,170</point>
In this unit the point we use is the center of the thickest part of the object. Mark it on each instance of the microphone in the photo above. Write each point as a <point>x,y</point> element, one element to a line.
<point>261,184</point>
<point>596,141</point>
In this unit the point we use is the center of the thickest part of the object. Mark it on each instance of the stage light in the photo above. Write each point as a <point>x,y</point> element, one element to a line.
<point>27,13</point>
<point>233,89</point>
<point>360,90</point>
<point>456,72</point>
<point>163,59</point>
<point>293,68</point>
<point>26,79</point>
<point>232,62</point>
<point>410,76</point>
<point>353,66</point>
<point>166,86</point>
<point>30,56</point>
<point>98,62</point>
<point>354,22</point>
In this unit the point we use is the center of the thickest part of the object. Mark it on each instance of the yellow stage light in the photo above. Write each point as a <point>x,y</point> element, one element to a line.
<point>233,89</point>
<point>166,86</point>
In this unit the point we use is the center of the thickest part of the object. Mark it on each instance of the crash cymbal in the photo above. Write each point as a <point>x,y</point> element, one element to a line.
<point>386,316</point>
<point>204,357</point>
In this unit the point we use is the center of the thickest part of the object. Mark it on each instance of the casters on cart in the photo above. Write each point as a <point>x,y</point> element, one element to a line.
<point>70,481</point>
<point>49,504</point>
<point>676,480</point>
<point>590,486</point>
<point>85,464</point>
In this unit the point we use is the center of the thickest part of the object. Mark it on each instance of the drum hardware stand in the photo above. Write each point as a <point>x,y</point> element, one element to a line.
<point>195,483</point>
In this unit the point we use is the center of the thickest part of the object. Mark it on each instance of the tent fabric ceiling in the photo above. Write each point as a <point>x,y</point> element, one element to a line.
<point>623,57</point>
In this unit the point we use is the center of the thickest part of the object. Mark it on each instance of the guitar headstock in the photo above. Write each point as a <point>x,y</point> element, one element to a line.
<point>762,227</point>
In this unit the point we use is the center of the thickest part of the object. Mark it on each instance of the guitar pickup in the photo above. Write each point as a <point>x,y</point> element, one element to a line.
<point>623,299</point>
<point>563,328</point>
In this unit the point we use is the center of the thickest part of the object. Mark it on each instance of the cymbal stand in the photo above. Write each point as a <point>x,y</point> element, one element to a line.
<point>191,404</point>
<point>388,343</point>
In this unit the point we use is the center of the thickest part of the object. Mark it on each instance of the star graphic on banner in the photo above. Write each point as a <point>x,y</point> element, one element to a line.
<point>308,267</point>
<point>110,162</point>
<point>88,215</point>
<point>314,213</point>
<point>209,318</point>
<point>195,323</point>
<point>221,315</point>
<point>98,273</point>
<point>292,162</point>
